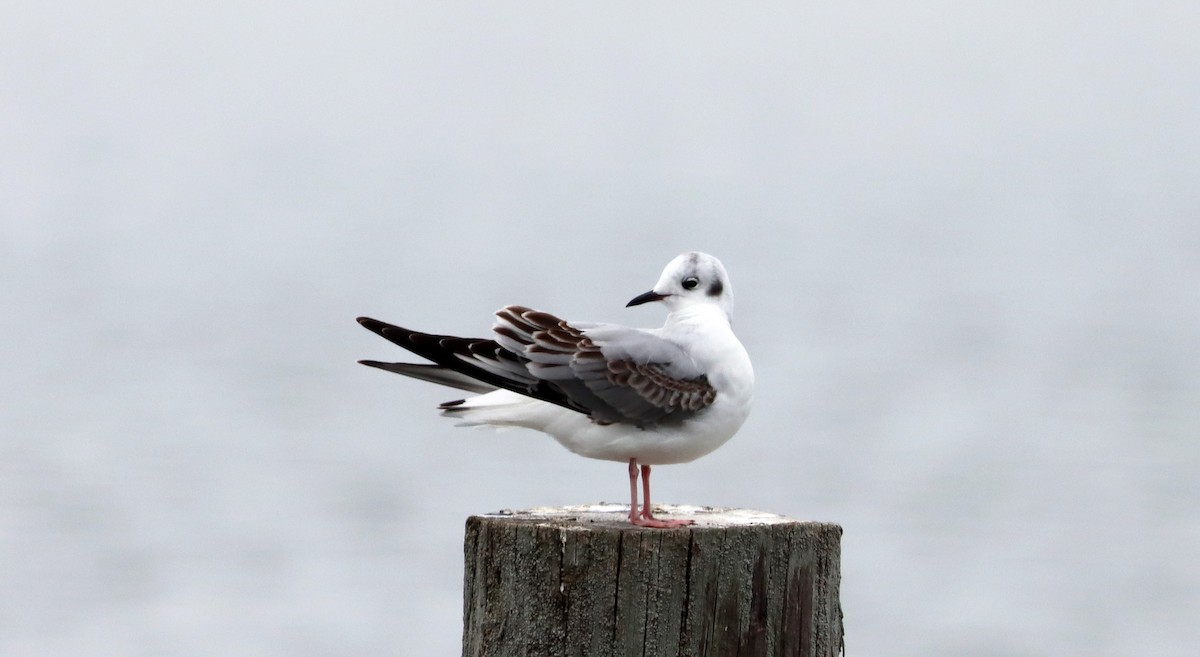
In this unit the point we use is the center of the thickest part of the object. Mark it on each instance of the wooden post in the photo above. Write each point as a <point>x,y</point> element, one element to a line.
<point>582,582</point>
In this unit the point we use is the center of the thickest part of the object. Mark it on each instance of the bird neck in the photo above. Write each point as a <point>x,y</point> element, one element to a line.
<point>697,314</point>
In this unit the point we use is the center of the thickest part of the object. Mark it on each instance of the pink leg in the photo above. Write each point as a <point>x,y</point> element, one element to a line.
<point>646,517</point>
<point>633,502</point>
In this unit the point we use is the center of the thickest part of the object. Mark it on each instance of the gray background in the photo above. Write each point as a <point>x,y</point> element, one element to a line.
<point>963,238</point>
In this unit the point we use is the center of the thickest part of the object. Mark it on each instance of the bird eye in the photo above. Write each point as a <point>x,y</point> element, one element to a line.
<point>690,283</point>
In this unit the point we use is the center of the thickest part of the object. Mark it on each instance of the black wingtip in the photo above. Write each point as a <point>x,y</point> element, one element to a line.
<point>374,363</point>
<point>450,405</point>
<point>384,329</point>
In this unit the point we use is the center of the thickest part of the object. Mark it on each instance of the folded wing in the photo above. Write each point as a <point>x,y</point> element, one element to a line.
<point>611,373</point>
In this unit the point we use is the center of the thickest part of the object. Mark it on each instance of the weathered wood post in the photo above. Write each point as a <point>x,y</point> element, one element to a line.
<point>582,582</point>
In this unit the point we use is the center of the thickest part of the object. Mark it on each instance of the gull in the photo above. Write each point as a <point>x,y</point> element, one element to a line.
<point>604,391</point>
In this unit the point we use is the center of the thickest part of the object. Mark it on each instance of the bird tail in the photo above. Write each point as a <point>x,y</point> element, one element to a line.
<point>500,408</point>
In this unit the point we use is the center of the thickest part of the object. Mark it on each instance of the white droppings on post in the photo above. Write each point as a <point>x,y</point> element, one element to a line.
<point>605,512</point>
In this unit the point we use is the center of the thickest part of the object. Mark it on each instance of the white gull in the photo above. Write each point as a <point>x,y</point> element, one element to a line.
<point>639,396</point>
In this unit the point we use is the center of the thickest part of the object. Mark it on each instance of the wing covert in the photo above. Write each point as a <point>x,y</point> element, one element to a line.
<point>620,374</point>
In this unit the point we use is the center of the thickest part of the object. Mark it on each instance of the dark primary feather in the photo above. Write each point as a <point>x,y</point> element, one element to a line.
<point>610,373</point>
<point>478,358</point>
<point>433,374</point>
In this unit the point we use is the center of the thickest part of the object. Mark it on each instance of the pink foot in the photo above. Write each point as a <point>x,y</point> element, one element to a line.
<point>647,520</point>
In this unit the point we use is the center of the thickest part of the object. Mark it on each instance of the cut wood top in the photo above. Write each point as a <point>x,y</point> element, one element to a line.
<point>616,516</point>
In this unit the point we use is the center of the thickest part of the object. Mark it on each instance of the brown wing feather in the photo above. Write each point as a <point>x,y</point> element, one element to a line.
<point>618,390</point>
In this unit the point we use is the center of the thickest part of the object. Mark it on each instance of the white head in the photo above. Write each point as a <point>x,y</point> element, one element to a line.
<point>691,279</point>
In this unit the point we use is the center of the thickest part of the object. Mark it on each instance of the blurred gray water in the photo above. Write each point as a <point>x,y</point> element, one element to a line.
<point>963,238</point>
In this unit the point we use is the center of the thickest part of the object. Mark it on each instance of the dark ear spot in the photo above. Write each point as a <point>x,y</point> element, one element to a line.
<point>716,288</point>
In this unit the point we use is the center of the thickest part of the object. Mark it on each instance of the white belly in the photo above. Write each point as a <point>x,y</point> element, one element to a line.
<point>680,442</point>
